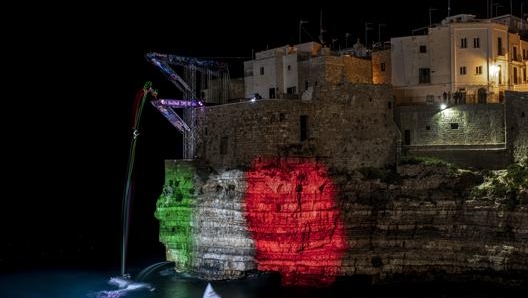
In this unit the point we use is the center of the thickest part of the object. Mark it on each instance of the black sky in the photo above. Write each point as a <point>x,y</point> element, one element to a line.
<point>76,70</point>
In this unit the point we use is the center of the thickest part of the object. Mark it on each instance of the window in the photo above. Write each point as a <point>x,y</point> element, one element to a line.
<point>423,49</point>
<point>304,127</point>
<point>453,125</point>
<point>429,99</point>
<point>515,76</point>
<point>476,42</point>
<point>271,93</point>
<point>463,43</point>
<point>478,70</point>
<point>382,66</point>
<point>482,95</point>
<point>524,74</point>
<point>223,146</point>
<point>424,76</point>
<point>289,67</point>
<point>514,55</point>
<point>499,46</point>
<point>462,70</point>
<point>407,137</point>
<point>427,127</point>
<point>291,90</point>
<point>262,70</point>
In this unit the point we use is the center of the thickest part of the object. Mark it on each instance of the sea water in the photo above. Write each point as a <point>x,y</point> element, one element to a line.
<point>166,284</point>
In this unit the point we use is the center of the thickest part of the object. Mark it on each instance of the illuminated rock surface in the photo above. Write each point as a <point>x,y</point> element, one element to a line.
<point>295,222</point>
<point>311,225</point>
<point>202,224</point>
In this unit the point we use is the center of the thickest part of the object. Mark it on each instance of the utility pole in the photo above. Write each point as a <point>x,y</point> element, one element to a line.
<point>367,28</point>
<point>522,18</point>
<point>497,5</point>
<point>321,30</point>
<point>301,22</point>
<point>379,32</point>
<point>430,19</point>
<point>333,43</point>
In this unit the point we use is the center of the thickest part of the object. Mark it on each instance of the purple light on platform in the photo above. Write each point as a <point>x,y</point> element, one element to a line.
<point>180,103</point>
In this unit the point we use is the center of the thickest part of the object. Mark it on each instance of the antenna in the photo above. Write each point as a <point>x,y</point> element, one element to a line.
<point>333,42</point>
<point>367,28</point>
<point>430,19</point>
<point>321,30</point>
<point>379,32</point>
<point>301,22</point>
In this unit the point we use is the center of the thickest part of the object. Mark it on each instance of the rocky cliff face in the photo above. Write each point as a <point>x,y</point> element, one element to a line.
<point>427,223</point>
<point>312,224</point>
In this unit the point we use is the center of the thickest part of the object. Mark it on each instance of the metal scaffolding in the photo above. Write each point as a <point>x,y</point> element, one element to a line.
<point>201,82</point>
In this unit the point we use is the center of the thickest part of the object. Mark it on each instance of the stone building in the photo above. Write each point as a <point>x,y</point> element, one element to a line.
<point>291,72</point>
<point>312,102</point>
<point>461,60</point>
<point>336,125</point>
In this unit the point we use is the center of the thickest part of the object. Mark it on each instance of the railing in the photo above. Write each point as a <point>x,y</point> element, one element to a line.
<point>463,99</point>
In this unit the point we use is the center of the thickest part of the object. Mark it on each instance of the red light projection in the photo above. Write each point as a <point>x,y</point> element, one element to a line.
<point>294,221</point>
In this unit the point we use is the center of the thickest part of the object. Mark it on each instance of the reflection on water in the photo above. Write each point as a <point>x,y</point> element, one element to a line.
<point>87,284</point>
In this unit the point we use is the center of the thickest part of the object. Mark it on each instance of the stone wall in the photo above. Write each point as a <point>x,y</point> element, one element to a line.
<point>341,122</point>
<point>455,125</point>
<point>516,106</point>
<point>478,136</point>
<point>381,66</point>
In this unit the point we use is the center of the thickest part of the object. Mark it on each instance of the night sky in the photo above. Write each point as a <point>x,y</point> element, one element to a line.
<point>75,73</point>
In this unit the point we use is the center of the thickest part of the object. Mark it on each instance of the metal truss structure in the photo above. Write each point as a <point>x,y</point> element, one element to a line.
<point>197,77</point>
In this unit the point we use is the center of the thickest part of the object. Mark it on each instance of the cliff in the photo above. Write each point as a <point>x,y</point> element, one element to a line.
<point>314,224</point>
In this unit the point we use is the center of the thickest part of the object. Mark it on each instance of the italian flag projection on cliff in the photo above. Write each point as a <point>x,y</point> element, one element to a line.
<point>280,215</point>
<point>294,221</point>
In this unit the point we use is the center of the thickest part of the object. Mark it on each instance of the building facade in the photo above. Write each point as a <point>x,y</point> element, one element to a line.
<point>461,60</point>
<point>292,72</point>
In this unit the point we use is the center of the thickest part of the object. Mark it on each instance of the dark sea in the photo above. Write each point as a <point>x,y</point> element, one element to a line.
<point>72,283</point>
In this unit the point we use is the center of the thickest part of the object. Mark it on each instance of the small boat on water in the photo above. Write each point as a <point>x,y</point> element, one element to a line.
<point>210,292</point>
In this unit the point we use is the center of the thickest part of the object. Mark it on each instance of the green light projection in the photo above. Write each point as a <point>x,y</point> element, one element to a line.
<point>174,211</point>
